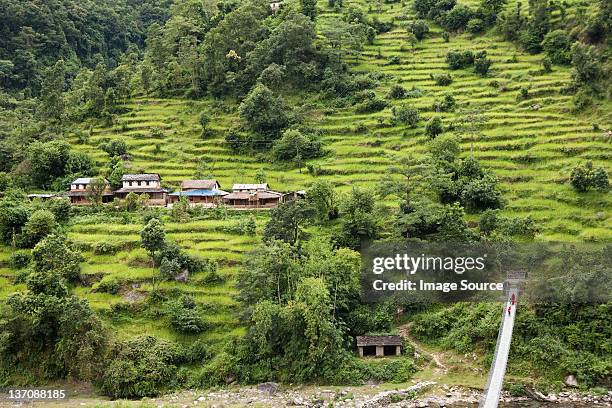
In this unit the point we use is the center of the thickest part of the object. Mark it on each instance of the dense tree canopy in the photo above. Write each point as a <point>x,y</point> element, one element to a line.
<point>35,34</point>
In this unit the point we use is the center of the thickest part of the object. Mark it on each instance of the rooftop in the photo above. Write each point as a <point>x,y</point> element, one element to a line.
<point>82,180</point>
<point>199,184</point>
<point>199,193</point>
<point>258,195</point>
<point>141,177</point>
<point>260,186</point>
<point>42,195</point>
<point>379,341</point>
<point>142,190</point>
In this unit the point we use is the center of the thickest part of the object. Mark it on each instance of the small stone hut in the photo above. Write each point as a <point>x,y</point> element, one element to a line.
<point>379,346</point>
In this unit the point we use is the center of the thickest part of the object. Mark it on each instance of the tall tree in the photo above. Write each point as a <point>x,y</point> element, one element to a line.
<point>309,8</point>
<point>51,98</point>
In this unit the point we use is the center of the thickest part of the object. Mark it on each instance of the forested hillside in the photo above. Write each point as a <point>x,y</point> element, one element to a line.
<point>438,120</point>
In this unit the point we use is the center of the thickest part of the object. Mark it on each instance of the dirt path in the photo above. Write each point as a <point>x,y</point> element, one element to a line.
<point>434,356</point>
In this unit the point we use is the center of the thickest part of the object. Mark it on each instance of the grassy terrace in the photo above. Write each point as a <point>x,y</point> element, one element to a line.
<point>131,267</point>
<point>531,145</point>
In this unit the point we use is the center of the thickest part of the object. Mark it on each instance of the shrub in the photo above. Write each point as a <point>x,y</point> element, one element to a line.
<point>144,366</point>
<point>419,28</point>
<point>60,209</point>
<point>204,119</point>
<point>106,248</point>
<point>111,285</point>
<point>457,18</point>
<point>557,46</point>
<point>235,140</point>
<point>447,104</point>
<point>156,133</point>
<point>434,127</point>
<point>530,40</point>
<point>371,105</point>
<point>245,226</point>
<point>20,259</point>
<point>40,224</point>
<point>481,194</point>
<point>459,59</point>
<point>514,226</point>
<point>395,371</point>
<point>115,147</point>
<point>582,100</point>
<point>475,26</point>
<point>410,39</point>
<point>517,389</point>
<point>406,116</point>
<point>212,278</point>
<point>184,316</point>
<point>442,79</point>
<point>397,92</point>
<point>585,177</point>
<point>198,352</point>
<point>547,64</point>
<point>169,268</point>
<point>414,92</point>
<point>294,145</point>
<point>394,60</point>
<point>488,221</point>
<point>482,64</point>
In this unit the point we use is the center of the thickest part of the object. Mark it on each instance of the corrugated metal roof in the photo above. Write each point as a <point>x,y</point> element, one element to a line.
<point>260,186</point>
<point>141,177</point>
<point>199,193</point>
<point>82,180</point>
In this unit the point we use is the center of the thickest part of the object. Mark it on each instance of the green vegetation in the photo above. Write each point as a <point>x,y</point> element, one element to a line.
<point>438,120</point>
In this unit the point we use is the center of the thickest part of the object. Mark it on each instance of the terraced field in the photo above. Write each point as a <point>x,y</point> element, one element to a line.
<point>530,143</point>
<point>130,267</point>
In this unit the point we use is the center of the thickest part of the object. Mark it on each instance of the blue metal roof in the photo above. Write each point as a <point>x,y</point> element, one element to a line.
<point>199,193</point>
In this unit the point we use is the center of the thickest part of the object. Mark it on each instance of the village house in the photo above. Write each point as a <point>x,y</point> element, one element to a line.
<point>145,183</point>
<point>80,191</point>
<point>199,192</point>
<point>379,346</point>
<point>42,196</point>
<point>252,196</point>
<point>275,5</point>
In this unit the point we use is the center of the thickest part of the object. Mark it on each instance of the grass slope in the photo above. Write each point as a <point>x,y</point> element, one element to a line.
<point>531,144</point>
<point>130,266</point>
<point>531,150</point>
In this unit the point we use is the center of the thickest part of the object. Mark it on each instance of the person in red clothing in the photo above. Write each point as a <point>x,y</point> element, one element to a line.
<point>513,299</point>
<point>509,307</point>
